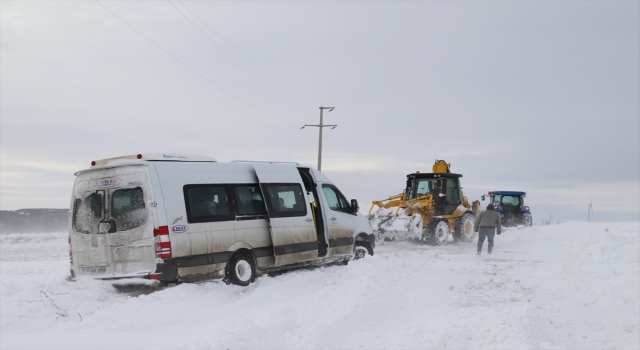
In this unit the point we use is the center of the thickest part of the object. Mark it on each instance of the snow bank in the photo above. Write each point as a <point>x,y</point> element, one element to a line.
<point>33,246</point>
<point>573,285</point>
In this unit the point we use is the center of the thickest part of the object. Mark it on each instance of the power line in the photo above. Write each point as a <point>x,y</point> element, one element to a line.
<point>193,70</point>
<point>295,141</point>
<point>245,56</point>
<point>236,62</point>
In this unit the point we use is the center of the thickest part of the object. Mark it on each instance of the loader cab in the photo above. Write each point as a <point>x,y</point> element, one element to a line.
<point>443,187</point>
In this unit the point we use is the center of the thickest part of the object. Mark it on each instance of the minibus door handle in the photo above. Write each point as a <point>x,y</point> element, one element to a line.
<point>308,219</point>
<point>107,226</point>
<point>333,219</point>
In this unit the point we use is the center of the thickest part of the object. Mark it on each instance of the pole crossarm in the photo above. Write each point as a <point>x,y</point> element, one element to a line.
<point>320,126</point>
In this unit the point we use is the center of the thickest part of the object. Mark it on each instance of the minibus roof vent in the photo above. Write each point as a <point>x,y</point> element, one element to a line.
<point>170,157</point>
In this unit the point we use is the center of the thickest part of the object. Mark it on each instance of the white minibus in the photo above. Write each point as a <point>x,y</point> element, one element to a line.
<point>183,217</point>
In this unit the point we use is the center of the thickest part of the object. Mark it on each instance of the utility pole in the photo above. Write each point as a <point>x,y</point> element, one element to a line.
<point>320,126</point>
<point>589,211</point>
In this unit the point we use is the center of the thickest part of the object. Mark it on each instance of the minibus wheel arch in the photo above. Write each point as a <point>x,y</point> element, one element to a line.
<point>362,237</point>
<point>362,247</point>
<point>240,245</point>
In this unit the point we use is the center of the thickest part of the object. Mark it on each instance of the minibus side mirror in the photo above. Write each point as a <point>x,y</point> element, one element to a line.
<point>483,197</point>
<point>354,206</point>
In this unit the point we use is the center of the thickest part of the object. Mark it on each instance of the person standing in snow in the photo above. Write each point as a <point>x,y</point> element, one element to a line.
<point>487,223</point>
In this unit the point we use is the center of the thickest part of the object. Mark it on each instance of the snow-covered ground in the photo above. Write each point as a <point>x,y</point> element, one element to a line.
<point>566,286</point>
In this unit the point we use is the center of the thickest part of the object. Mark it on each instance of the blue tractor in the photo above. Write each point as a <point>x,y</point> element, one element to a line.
<point>510,205</point>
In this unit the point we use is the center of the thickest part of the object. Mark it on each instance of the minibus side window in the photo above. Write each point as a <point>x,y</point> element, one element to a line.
<point>285,200</point>
<point>207,203</point>
<point>127,208</point>
<point>249,202</point>
<point>87,213</point>
<point>335,199</point>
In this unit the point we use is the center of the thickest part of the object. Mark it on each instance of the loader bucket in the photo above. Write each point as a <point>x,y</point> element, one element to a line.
<point>391,224</point>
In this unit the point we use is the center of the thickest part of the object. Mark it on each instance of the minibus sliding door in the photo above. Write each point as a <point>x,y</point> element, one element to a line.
<point>290,218</point>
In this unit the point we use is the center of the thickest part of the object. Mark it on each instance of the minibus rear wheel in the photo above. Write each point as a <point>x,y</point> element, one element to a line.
<point>242,269</point>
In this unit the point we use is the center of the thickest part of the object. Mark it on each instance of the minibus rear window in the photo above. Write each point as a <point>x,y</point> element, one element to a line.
<point>207,203</point>
<point>87,213</point>
<point>285,200</point>
<point>127,208</point>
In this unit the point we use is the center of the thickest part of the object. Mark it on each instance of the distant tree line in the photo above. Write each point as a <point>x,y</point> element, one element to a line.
<point>33,220</point>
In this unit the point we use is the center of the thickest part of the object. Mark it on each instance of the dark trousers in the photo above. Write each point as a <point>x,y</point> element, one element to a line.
<point>488,233</point>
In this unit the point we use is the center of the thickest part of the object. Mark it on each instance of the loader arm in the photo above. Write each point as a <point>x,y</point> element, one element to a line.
<point>393,201</point>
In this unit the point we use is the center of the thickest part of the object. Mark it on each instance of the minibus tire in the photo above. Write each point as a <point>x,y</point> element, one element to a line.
<point>361,247</point>
<point>241,269</point>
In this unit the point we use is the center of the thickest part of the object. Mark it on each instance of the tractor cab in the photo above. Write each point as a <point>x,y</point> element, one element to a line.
<point>510,204</point>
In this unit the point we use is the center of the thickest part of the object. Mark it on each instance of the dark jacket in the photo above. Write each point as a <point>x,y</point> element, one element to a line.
<point>488,218</point>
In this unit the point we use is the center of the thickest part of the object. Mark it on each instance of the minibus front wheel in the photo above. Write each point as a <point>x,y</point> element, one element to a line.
<point>241,269</point>
<point>362,249</point>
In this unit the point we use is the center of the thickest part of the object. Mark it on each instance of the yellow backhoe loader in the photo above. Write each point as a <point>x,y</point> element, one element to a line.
<point>431,208</point>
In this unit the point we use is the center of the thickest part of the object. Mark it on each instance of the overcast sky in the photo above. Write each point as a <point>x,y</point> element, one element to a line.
<point>538,96</point>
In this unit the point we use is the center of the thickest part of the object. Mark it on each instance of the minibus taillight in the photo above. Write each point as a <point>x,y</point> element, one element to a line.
<point>163,245</point>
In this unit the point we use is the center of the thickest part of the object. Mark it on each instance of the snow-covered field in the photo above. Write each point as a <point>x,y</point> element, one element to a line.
<point>566,286</point>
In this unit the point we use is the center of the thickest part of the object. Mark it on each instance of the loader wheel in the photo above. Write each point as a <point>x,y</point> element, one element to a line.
<point>436,232</point>
<point>527,220</point>
<point>464,229</point>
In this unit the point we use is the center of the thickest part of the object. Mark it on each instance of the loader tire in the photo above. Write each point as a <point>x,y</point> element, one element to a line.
<point>436,232</point>
<point>464,231</point>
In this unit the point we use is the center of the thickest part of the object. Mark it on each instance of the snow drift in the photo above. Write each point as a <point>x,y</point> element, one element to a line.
<point>573,285</point>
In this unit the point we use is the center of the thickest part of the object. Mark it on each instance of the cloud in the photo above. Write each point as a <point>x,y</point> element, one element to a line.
<point>30,165</point>
<point>534,96</point>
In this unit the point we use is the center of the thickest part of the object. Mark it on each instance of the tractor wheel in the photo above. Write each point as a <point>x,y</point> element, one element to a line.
<point>464,229</point>
<point>527,219</point>
<point>436,232</point>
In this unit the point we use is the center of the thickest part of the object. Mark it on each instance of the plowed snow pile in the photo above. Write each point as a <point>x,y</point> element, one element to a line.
<point>567,286</point>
